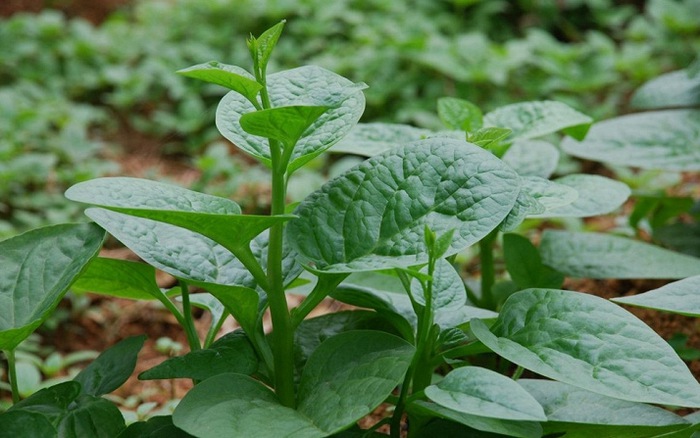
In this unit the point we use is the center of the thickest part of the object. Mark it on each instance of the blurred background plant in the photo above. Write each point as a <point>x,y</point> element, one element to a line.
<point>78,97</point>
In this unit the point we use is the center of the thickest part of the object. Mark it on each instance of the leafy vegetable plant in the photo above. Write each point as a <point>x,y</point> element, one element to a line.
<point>382,236</point>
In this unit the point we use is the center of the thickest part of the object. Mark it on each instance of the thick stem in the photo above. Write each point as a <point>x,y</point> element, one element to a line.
<point>488,273</point>
<point>12,374</point>
<point>190,331</point>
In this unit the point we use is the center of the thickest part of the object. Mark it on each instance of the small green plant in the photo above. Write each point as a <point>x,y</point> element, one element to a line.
<point>382,235</point>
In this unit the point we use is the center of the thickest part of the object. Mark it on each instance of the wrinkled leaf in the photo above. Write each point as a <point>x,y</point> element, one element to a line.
<point>590,343</point>
<point>583,414</point>
<point>448,288</point>
<point>681,297</point>
<point>551,195</point>
<point>119,278</point>
<point>672,90</point>
<point>535,119</point>
<point>596,195</point>
<point>525,266</point>
<point>532,158</point>
<point>370,139</point>
<point>486,393</point>
<point>371,360</point>
<point>111,368</point>
<point>38,267</point>
<point>596,255</point>
<point>665,140</point>
<point>307,86</point>
<point>232,353</point>
<point>373,216</point>
<point>229,76</point>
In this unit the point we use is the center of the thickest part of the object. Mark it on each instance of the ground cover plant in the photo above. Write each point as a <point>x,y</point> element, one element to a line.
<point>383,236</point>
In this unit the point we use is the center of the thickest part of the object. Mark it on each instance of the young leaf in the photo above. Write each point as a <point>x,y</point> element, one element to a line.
<point>532,158</point>
<point>678,297</point>
<point>229,76</point>
<point>232,353</point>
<point>596,195</point>
<point>448,288</point>
<point>370,139</point>
<point>596,255</point>
<point>525,266</point>
<point>119,278</point>
<point>286,123</point>
<point>328,390</point>
<point>373,216</point>
<point>536,119</point>
<point>261,47</point>
<point>459,114</point>
<point>591,343</point>
<point>666,140</point>
<point>580,413</point>
<point>111,369</point>
<point>483,392</point>
<point>235,405</point>
<point>491,139</point>
<point>38,267</point>
<point>500,427</point>
<point>305,86</point>
<point>677,89</point>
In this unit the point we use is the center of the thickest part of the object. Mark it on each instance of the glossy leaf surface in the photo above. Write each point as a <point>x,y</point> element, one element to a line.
<point>286,123</point>
<point>111,368</point>
<point>119,278</point>
<point>38,267</point>
<point>229,76</point>
<point>591,343</point>
<point>373,216</point>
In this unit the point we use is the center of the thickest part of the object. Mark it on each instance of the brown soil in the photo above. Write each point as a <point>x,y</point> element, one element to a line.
<point>95,11</point>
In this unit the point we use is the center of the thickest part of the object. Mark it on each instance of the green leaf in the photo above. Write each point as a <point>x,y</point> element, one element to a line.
<point>93,417</point>
<point>525,205</point>
<point>111,368</point>
<point>286,124</point>
<point>304,86</point>
<point>536,119</point>
<point>229,76</point>
<point>551,195</point>
<point>209,303</point>
<point>373,216</point>
<point>678,297</point>
<point>590,343</point>
<point>480,391</point>
<point>370,139</point>
<point>38,267</point>
<point>596,255</point>
<point>532,158</point>
<point>241,302</point>
<point>26,424</point>
<point>235,405</point>
<point>583,414</point>
<point>448,288</point>
<point>459,114</point>
<point>672,90</point>
<point>521,429</point>
<point>262,46</point>
<point>665,140</point>
<point>596,195</point>
<point>156,427</point>
<point>232,353</point>
<point>371,360</point>
<point>119,278</point>
<point>216,218</point>
<point>525,266</point>
<point>492,139</point>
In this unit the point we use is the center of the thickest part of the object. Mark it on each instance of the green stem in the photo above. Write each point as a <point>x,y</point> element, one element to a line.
<point>245,255</point>
<point>192,337</point>
<point>325,284</point>
<point>395,428</point>
<point>488,273</point>
<point>213,330</point>
<point>12,374</point>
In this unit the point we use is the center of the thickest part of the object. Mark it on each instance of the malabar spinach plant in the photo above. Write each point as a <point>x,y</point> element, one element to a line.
<point>382,236</point>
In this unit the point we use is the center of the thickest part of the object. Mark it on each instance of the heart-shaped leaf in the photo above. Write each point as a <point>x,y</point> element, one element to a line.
<point>678,297</point>
<point>482,392</point>
<point>371,360</point>
<point>532,158</point>
<point>38,267</point>
<point>111,368</point>
<point>591,343</point>
<point>597,255</point>
<point>672,90</point>
<point>536,119</point>
<point>596,195</point>
<point>229,76</point>
<point>305,86</point>
<point>665,140</point>
<point>580,413</point>
<point>232,353</point>
<point>373,216</point>
<point>119,278</point>
<point>370,139</point>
